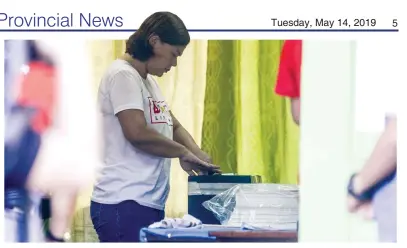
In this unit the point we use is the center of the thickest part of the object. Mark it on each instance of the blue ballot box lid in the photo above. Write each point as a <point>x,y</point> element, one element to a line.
<point>225,179</point>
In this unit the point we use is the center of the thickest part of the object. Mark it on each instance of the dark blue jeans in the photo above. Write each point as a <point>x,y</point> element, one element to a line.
<point>122,222</point>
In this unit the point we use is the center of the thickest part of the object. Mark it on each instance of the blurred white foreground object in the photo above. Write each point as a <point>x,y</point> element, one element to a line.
<point>69,156</point>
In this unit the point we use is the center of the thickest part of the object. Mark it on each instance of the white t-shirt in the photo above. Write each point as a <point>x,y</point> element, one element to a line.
<point>129,173</point>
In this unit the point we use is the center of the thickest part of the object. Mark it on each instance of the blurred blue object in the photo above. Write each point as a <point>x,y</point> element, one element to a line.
<point>21,142</point>
<point>15,56</point>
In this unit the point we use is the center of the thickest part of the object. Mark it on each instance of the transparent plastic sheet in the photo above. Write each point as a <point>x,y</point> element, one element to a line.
<point>261,205</point>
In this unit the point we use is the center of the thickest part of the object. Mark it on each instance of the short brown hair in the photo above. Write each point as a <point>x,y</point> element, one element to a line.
<point>166,25</point>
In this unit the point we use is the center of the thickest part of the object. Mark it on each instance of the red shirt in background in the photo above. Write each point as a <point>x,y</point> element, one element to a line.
<point>38,91</point>
<point>289,72</point>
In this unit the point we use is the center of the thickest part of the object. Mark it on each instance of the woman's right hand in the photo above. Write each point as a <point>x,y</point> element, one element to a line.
<point>191,163</point>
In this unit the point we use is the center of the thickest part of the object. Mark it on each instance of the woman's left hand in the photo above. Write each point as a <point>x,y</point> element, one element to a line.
<point>194,169</point>
<point>204,156</point>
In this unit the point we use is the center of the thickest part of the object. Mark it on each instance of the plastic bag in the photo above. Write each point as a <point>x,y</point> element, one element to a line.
<point>271,205</point>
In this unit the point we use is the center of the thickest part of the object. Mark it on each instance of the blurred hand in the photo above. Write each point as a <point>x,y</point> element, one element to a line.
<point>364,209</point>
<point>190,163</point>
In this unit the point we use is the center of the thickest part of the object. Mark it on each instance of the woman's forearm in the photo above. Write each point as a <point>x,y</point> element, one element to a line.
<point>149,141</point>
<point>182,136</point>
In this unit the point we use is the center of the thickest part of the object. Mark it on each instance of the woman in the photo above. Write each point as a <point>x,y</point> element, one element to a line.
<point>140,133</point>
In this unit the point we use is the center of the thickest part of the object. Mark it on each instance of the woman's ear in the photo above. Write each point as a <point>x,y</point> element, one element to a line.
<point>153,40</point>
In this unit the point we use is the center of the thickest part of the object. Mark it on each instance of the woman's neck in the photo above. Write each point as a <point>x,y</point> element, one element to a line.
<point>139,66</point>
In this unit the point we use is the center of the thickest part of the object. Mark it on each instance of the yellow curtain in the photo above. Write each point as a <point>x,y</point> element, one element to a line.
<point>184,89</point>
<point>247,128</point>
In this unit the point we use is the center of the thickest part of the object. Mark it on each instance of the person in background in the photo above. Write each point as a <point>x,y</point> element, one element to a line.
<point>141,134</point>
<point>372,191</point>
<point>70,149</point>
<point>289,77</point>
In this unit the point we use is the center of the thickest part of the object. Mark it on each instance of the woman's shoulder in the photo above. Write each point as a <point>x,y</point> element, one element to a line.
<point>120,66</point>
<point>120,69</point>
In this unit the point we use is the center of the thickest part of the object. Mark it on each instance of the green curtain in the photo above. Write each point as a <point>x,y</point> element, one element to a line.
<point>247,128</point>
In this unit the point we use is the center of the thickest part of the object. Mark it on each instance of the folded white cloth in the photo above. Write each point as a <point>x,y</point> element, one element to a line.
<point>187,221</point>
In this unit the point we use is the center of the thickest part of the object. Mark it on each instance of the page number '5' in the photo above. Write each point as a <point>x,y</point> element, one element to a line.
<point>395,23</point>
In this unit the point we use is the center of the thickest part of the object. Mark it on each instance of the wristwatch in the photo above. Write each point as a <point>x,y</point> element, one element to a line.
<point>368,194</point>
<point>364,196</point>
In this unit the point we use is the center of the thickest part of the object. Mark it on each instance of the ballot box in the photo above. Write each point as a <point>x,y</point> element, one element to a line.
<point>204,188</point>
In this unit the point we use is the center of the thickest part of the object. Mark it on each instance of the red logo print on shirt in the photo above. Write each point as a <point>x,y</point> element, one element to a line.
<point>155,108</point>
<point>159,112</point>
